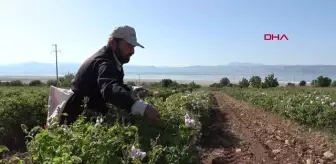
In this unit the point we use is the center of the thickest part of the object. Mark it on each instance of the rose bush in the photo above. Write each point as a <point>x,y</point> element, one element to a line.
<point>312,107</point>
<point>123,138</point>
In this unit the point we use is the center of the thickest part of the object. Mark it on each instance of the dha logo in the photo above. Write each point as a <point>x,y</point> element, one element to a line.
<point>273,36</point>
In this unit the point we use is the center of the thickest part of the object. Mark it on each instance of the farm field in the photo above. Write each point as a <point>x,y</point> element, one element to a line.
<point>314,107</point>
<point>118,138</point>
<point>199,126</point>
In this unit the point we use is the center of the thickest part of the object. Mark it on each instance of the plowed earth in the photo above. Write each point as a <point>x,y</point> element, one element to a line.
<point>242,134</point>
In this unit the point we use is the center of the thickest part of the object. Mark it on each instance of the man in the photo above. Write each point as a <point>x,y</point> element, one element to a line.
<point>100,78</point>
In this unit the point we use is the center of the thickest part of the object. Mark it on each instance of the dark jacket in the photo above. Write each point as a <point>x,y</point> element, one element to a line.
<point>100,78</point>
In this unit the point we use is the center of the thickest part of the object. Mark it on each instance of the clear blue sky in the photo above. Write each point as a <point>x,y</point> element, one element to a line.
<point>174,33</point>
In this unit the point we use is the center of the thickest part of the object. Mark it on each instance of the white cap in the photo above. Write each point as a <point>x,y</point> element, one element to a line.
<point>127,33</point>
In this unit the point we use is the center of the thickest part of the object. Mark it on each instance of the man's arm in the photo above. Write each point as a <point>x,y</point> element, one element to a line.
<point>114,92</point>
<point>128,85</point>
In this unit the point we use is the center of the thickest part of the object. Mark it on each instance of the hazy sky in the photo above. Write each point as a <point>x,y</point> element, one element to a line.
<point>174,33</point>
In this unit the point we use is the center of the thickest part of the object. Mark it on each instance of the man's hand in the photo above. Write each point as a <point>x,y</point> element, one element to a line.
<point>139,91</point>
<point>138,88</point>
<point>152,114</point>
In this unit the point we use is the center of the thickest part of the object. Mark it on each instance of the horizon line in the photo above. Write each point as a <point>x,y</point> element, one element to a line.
<point>196,65</point>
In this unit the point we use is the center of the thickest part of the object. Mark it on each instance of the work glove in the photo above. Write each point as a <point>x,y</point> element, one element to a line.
<point>145,109</point>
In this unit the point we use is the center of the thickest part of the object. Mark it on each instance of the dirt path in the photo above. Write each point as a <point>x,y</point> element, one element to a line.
<point>241,134</point>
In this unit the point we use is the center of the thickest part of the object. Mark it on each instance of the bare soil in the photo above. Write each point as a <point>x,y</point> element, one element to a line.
<point>242,134</point>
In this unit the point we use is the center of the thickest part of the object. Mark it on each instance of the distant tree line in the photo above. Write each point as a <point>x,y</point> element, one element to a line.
<point>62,82</point>
<point>167,83</point>
<point>254,82</point>
<point>271,81</point>
<point>66,82</point>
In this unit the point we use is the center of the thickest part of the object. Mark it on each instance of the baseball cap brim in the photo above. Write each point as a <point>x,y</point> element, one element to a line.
<point>134,43</point>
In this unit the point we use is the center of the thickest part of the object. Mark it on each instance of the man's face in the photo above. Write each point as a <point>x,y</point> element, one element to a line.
<point>124,51</point>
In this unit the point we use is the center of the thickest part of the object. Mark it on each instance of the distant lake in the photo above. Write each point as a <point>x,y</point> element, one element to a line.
<point>293,73</point>
<point>216,77</point>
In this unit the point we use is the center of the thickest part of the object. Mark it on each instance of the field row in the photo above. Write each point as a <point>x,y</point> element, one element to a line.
<point>315,107</point>
<point>116,138</point>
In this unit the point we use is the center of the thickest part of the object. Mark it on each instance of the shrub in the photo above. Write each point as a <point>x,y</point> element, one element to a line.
<point>264,85</point>
<point>21,106</point>
<point>290,84</point>
<point>312,107</point>
<point>321,81</point>
<point>224,81</point>
<point>16,83</point>
<point>193,85</point>
<point>302,83</point>
<point>244,83</point>
<point>215,85</point>
<point>35,83</point>
<point>5,83</point>
<point>270,81</point>
<point>255,81</point>
<point>168,83</point>
<point>111,138</point>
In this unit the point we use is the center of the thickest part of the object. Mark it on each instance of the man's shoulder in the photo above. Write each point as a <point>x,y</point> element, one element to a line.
<point>103,57</point>
<point>98,59</point>
<point>102,54</point>
<point>92,60</point>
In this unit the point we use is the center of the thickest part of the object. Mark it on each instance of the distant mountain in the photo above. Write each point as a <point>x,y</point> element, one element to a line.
<point>35,68</point>
<point>244,64</point>
<point>302,72</point>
